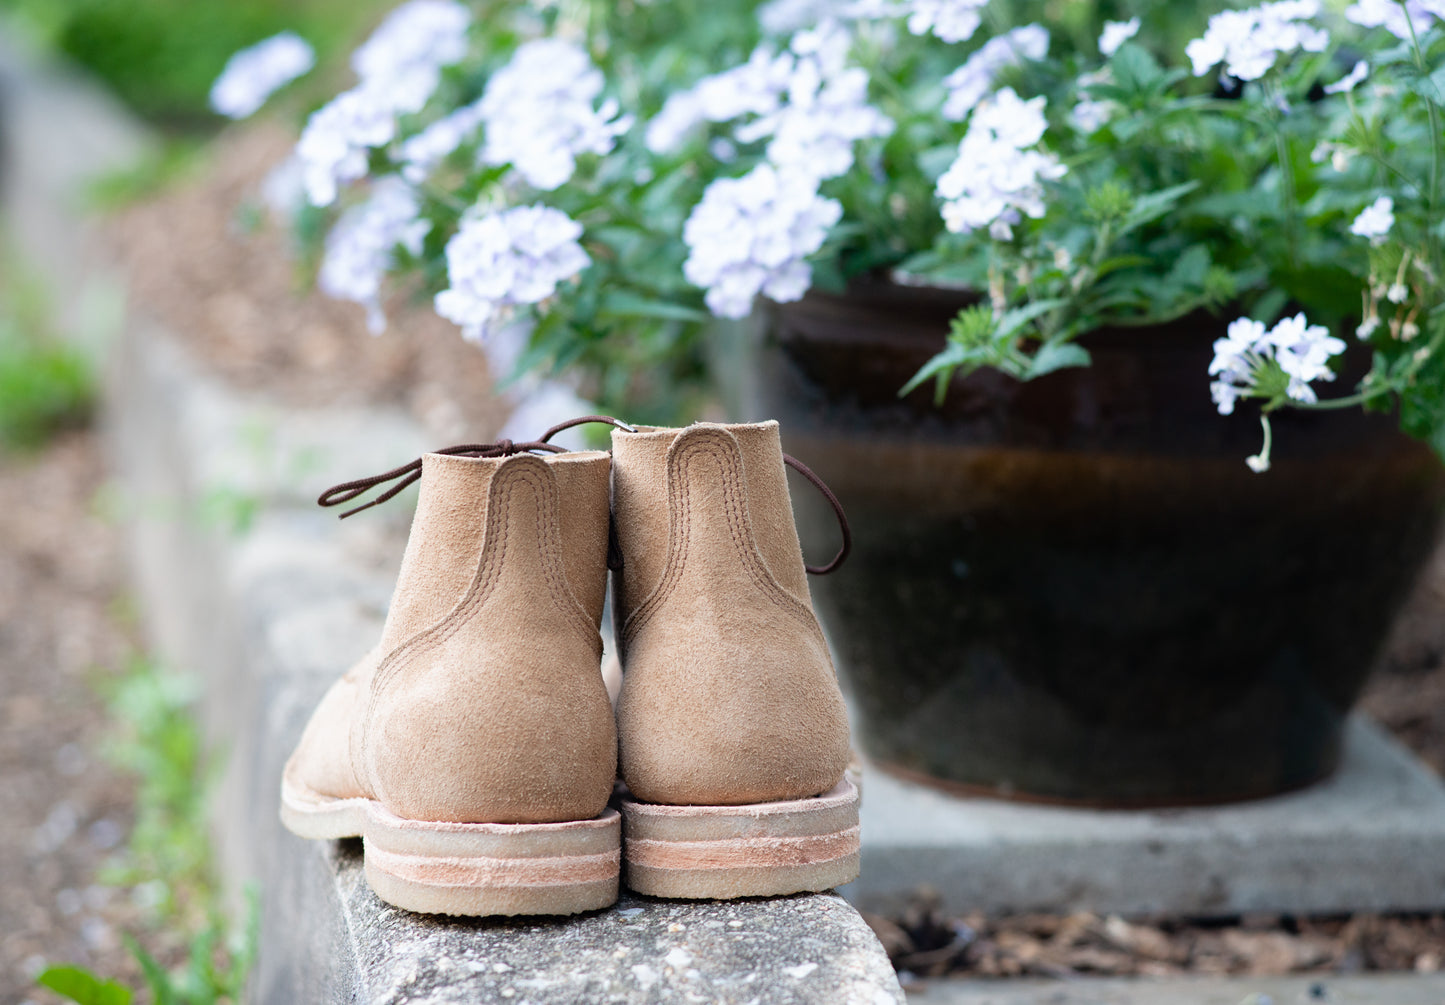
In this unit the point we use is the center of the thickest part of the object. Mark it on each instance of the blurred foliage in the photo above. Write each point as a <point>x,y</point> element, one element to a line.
<point>161,56</point>
<point>46,386</point>
<point>171,160</point>
<point>157,741</point>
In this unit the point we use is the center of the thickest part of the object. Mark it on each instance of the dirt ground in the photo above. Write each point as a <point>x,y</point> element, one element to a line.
<point>238,294</point>
<point>64,809</point>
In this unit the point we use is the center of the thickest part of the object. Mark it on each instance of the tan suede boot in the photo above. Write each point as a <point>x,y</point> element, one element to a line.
<point>474,749</point>
<point>733,735</point>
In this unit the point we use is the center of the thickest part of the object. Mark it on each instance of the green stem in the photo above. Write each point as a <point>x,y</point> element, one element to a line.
<point>1435,130</point>
<point>1287,183</point>
<point>1354,400</point>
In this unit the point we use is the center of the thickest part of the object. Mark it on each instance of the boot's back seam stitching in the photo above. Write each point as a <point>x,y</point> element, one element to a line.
<point>489,568</point>
<point>739,529</point>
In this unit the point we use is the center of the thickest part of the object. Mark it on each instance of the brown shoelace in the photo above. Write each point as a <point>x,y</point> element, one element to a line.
<point>847,548</point>
<point>409,474</point>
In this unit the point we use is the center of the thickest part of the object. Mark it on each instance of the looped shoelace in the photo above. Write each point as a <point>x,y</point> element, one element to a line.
<point>409,474</point>
<point>847,548</point>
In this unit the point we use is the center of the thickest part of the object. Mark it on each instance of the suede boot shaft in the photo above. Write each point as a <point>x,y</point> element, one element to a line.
<point>483,703</point>
<point>729,695</point>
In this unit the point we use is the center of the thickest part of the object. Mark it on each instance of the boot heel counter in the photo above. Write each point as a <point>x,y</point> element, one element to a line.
<point>729,694</point>
<point>498,713</point>
<point>431,756</point>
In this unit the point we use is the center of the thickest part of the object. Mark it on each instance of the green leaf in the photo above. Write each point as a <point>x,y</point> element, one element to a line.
<point>159,982</point>
<point>1430,87</point>
<point>1150,207</point>
<point>83,987</point>
<point>633,305</point>
<point>1058,356</point>
<point>944,363</point>
<point>1016,319</point>
<point>1119,262</point>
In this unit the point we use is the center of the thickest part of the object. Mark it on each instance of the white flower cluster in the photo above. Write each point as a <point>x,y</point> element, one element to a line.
<point>950,20</point>
<point>540,116</point>
<point>1090,114</point>
<point>754,88</point>
<point>998,178</point>
<point>334,146</point>
<point>360,248</point>
<point>1377,220</point>
<point>1248,42</point>
<point>1116,33</point>
<point>401,62</point>
<point>399,67</point>
<point>807,99</point>
<point>253,75</point>
<point>783,17</point>
<point>428,148</point>
<point>971,82</point>
<point>506,259</point>
<point>1303,351</point>
<point>1351,80</point>
<point>754,234</point>
<point>826,112</point>
<point>1395,17</point>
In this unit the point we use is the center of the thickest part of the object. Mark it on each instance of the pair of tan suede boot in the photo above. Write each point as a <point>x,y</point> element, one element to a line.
<point>475,749</point>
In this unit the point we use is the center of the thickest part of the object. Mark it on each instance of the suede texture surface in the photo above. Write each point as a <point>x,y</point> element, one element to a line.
<point>484,702</point>
<point>728,692</point>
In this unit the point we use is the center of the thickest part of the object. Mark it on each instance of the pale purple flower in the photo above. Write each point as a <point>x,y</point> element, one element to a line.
<point>1116,33</point>
<point>1090,115</point>
<point>1248,42</point>
<point>254,74</point>
<point>428,148</point>
<point>971,82</point>
<point>540,115</point>
<point>361,248</point>
<point>783,17</point>
<point>825,111</point>
<point>753,235</point>
<point>1351,80</point>
<point>807,101</point>
<point>334,146</point>
<point>680,114</point>
<point>1376,221</point>
<point>950,20</point>
<point>1303,351</point>
<point>997,180</point>
<point>507,259</point>
<point>1396,18</point>
<point>402,59</point>
<point>754,88</point>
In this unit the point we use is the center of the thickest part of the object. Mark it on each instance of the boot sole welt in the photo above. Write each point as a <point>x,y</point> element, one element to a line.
<point>758,850</point>
<point>472,870</point>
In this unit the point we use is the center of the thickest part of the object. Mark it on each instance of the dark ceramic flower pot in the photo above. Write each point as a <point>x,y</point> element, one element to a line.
<point>1074,589</point>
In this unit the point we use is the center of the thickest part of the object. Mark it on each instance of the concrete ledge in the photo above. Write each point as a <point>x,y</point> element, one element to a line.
<point>1370,839</point>
<point>270,613</point>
